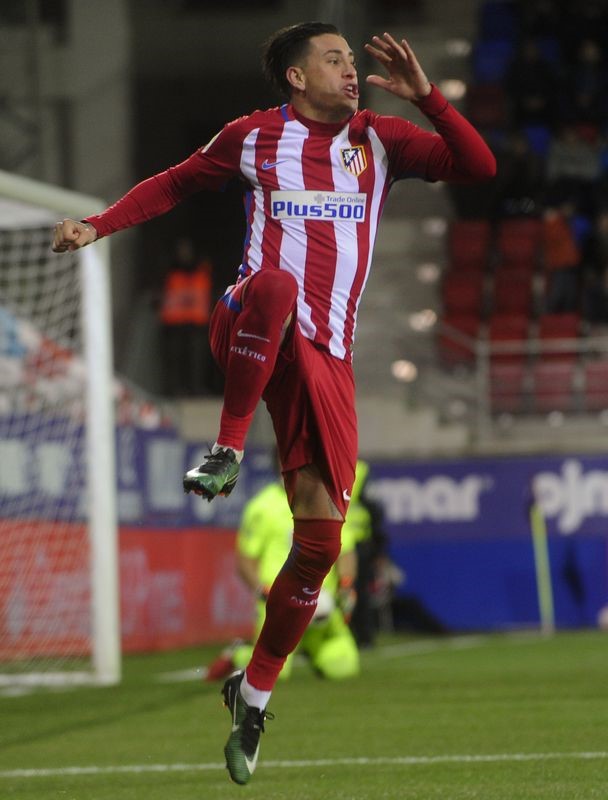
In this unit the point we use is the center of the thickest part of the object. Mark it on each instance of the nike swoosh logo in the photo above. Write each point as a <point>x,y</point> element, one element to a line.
<point>345,495</point>
<point>306,590</point>
<point>266,164</point>
<point>252,762</point>
<point>245,335</point>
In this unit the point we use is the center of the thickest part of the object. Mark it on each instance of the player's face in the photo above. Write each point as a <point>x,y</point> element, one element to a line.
<point>329,79</point>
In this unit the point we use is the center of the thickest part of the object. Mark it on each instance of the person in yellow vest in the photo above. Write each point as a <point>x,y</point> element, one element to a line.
<point>184,315</point>
<point>263,542</point>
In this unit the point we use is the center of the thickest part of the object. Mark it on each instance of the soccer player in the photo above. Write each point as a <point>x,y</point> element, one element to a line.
<point>316,172</point>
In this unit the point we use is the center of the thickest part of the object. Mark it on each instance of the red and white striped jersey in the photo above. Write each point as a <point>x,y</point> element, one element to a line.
<point>313,200</point>
<point>314,194</point>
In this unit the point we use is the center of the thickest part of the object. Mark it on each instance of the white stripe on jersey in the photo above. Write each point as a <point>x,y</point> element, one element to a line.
<point>253,256</point>
<point>293,244</point>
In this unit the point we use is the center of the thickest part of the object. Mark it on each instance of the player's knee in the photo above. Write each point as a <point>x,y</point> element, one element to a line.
<point>275,288</point>
<point>330,552</point>
<point>313,561</point>
<point>325,557</point>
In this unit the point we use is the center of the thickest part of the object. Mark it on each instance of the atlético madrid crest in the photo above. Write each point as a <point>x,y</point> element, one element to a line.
<point>353,159</point>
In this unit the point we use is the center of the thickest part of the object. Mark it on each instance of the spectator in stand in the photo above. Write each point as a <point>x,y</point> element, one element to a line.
<point>530,84</point>
<point>595,293</point>
<point>583,19</point>
<point>562,261</point>
<point>574,169</point>
<point>519,180</point>
<point>583,92</point>
<point>184,314</point>
<point>558,80</point>
<point>540,18</point>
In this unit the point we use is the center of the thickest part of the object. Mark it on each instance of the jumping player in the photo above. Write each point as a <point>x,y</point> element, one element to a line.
<point>316,172</point>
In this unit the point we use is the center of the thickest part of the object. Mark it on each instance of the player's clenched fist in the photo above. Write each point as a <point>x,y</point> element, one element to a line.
<point>71,235</point>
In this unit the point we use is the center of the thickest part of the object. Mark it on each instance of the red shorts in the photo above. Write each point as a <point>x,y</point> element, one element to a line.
<point>311,400</point>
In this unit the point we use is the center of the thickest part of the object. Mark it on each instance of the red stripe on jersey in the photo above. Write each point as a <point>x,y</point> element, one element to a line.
<point>266,150</point>
<point>366,184</point>
<point>320,238</point>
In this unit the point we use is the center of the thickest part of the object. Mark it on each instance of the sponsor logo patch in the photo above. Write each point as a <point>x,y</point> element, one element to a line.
<point>332,206</point>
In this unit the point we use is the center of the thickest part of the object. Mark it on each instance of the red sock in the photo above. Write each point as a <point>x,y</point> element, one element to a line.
<point>293,597</point>
<point>270,297</point>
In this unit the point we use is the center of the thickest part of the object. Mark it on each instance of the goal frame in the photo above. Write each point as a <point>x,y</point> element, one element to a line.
<point>102,525</point>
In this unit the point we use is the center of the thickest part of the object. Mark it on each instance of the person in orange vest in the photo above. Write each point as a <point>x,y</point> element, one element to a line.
<point>562,260</point>
<point>184,315</point>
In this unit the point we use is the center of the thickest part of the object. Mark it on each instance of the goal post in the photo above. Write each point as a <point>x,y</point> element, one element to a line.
<point>73,398</point>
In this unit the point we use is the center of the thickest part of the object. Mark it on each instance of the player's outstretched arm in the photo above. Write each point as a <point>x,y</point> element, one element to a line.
<point>406,78</point>
<point>460,154</point>
<point>72,235</point>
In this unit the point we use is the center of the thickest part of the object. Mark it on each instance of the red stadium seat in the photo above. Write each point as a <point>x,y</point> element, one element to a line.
<point>521,227</point>
<point>553,386</point>
<point>508,330</point>
<point>518,242</point>
<point>462,292</point>
<point>456,339</point>
<point>555,328</point>
<point>595,386</point>
<point>513,292</point>
<point>469,244</point>
<point>507,387</point>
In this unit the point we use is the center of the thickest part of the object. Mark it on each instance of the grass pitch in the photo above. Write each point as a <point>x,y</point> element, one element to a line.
<point>490,717</point>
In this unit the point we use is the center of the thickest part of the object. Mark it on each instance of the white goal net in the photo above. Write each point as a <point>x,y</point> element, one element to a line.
<point>58,564</point>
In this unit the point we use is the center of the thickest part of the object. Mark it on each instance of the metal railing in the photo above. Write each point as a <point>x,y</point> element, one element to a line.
<point>512,368</point>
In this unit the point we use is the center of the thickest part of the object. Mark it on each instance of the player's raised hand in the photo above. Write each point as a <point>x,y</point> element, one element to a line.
<point>406,78</point>
<point>72,235</point>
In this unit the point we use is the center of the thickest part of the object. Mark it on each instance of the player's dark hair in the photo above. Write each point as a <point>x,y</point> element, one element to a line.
<point>287,47</point>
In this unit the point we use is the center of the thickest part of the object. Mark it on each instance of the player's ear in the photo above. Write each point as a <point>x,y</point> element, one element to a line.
<point>296,79</point>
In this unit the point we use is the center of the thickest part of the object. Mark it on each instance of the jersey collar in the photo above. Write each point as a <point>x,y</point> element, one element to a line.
<point>323,128</point>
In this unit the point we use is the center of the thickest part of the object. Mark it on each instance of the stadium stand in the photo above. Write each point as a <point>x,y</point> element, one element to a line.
<point>538,80</point>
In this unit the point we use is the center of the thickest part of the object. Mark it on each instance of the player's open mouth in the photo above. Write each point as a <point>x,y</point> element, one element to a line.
<point>352,90</point>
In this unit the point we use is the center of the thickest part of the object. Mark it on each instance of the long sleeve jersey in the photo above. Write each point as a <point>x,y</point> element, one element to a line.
<point>313,196</point>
